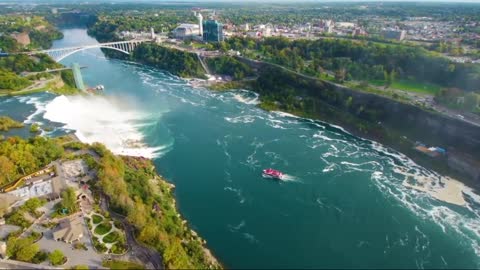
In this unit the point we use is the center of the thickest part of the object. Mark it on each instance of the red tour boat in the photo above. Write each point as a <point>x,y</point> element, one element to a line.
<point>271,173</point>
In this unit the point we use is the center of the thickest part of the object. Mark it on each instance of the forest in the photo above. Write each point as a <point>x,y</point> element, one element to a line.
<point>20,157</point>
<point>6,123</point>
<point>360,60</point>
<point>148,204</point>
<point>229,66</point>
<point>177,62</point>
<point>150,207</point>
<point>12,66</point>
<point>40,31</point>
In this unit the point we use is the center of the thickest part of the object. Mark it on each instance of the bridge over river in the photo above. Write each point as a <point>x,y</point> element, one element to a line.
<point>122,46</point>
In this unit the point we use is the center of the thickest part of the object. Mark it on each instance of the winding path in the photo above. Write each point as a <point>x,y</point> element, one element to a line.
<point>145,254</point>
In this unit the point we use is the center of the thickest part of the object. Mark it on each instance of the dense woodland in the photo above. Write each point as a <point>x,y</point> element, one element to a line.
<point>361,60</point>
<point>40,31</point>
<point>20,157</point>
<point>12,66</point>
<point>41,34</point>
<point>149,206</point>
<point>7,123</point>
<point>177,62</point>
<point>229,66</point>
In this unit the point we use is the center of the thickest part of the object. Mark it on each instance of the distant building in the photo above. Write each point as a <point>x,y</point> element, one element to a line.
<point>212,31</point>
<point>245,27</point>
<point>394,34</point>
<point>69,230</point>
<point>345,25</point>
<point>359,32</point>
<point>267,31</point>
<point>54,10</point>
<point>186,31</point>
<point>254,34</point>
<point>22,38</point>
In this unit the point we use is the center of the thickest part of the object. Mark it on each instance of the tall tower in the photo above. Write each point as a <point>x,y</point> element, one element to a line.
<point>152,33</point>
<point>200,24</point>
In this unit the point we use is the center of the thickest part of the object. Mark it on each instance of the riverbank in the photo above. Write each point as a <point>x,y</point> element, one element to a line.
<point>164,184</point>
<point>55,86</point>
<point>7,123</point>
<point>139,193</point>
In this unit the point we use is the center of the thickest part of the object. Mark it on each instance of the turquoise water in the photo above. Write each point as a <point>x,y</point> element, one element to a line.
<point>343,204</point>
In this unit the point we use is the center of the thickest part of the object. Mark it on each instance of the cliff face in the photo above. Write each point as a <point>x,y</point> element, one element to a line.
<point>426,126</point>
<point>393,123</point>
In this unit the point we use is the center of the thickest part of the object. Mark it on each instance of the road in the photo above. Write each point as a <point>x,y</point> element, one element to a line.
<point>50,70</point>
<point>9,264</point>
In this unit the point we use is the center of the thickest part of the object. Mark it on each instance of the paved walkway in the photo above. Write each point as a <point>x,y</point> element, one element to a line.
<point>100,237</point>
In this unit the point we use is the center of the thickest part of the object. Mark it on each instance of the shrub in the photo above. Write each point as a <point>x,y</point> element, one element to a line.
<point>97,219</point>
<point>56,257</point>
<point>40,257</point>
<point>103,228</point>
<point>111,237</point>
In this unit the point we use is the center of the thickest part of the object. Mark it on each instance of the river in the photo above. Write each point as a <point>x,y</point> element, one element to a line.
<point>343,204</point>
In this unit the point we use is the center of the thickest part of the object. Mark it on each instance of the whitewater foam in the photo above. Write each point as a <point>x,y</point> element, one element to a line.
<point>38,104</point>
<point>246,97</point>
<point>98,119</point>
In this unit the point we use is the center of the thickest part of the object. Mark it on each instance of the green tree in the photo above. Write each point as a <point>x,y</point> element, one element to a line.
<point>387,78</point>
<point>56,257</point>
<point>32,204</point>
<point>22,249</point>
<point>471,102</point>
<point>69,200</point>
<point>7,170</point>
<point>340,75</point>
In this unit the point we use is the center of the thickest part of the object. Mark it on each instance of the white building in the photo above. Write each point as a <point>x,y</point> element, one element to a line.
<point>345,25</point>
<point>186,31</point>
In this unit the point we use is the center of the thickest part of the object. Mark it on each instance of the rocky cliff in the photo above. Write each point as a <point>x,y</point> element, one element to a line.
<point>394,123</point>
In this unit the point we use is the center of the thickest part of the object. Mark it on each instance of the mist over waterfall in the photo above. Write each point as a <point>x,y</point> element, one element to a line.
<point>99,119</point>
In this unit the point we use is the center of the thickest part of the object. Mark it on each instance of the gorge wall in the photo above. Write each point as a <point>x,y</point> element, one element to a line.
<point>393,123</point>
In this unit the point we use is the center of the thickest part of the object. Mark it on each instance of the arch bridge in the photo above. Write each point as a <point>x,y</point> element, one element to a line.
<point>122,46</point>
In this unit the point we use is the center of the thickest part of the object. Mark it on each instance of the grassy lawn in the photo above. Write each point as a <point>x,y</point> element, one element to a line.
<point>97,219</point>
<point>103,228</point>
<point>121,265</point>
<point>325,76</point>
<point>111,237</point>
<point>411,86</point>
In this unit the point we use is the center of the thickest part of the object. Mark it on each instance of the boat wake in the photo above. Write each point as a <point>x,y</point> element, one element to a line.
<point>291,178</point>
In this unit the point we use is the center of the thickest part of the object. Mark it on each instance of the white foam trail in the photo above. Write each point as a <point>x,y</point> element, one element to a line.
<point>291,178</point>
<point>246,97</point>
<point>37,102</point>
<point>237,227</point>
<point>98,119</point>
<point>238,192</point>
<point>245,119</point>
<point>251,238</point>
<point>284,114</point>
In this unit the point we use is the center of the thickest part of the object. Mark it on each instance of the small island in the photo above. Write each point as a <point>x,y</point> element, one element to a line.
<point>6,123</point>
